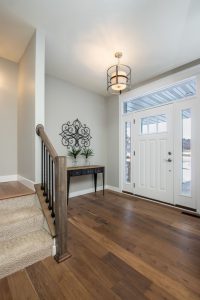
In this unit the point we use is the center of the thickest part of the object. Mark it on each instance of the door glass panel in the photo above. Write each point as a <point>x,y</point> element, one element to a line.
<point>186,152</point>
<point>128,152</point>
<point>154,124</point>
<point>162,123</point>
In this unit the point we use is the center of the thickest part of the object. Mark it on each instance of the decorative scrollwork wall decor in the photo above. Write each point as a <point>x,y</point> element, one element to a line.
<point>75,134</point>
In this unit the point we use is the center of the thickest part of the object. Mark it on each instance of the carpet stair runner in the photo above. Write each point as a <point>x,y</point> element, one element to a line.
<point>23,237</point>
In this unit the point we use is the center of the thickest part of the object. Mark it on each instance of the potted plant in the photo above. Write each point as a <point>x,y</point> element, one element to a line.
<point>87,152</point>
<point>74,152</point>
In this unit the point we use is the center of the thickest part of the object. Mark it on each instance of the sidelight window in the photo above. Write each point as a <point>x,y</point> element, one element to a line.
<point>128,152</point>
<point>186,152</point>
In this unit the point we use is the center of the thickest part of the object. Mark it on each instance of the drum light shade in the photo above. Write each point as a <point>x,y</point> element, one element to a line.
<point>118,77</point>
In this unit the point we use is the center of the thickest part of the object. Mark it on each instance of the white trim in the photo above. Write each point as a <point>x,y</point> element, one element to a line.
<point>120,146</point>
<point>113,188</point>
<point>26,182</point>
<point>91,190</point>
<point>83,192</point>
<point>8,178</point>
<point>161,203</point>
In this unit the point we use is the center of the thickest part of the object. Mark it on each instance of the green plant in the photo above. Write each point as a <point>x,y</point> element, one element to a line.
<point>74,152</point>
<point>87,152</point>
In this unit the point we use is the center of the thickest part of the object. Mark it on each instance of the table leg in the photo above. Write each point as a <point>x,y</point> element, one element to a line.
<point>95,182</point>
<point>68,184</point>
<point>103,177</point>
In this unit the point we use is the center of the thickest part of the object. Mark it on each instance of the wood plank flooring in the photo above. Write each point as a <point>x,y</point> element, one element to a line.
<point>13,189</point>
<point>122,248</point>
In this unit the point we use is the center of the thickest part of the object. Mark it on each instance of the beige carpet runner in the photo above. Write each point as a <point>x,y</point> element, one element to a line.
<point>23,239</point>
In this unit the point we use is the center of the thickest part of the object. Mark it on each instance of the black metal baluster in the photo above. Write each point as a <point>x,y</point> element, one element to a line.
<point>42,167</point>
<point>47,177</point>
<point>52,189</point>
<point>44,193</point>
<point>50,174</point>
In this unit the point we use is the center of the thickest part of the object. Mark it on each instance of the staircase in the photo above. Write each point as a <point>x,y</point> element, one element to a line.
<point>23,237</point>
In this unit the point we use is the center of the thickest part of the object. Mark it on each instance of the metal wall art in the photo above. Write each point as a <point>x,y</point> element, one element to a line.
<point>75,135</point>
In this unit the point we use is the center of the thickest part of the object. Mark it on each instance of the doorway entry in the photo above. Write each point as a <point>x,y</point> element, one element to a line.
<point>153,153</point>
<point>161,152</point>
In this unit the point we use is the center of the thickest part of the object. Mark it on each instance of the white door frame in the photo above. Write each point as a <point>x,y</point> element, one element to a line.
<point>146,89</point>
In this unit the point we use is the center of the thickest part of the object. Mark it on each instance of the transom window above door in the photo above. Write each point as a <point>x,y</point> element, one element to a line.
<point>164,96</point>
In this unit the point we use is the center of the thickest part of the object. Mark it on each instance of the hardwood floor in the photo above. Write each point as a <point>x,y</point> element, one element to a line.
<point>122,248</point>
<point>13,189</point>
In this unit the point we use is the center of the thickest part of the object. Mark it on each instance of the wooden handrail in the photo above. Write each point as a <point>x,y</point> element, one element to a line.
<point>40,131</point>
<point>54,185</point>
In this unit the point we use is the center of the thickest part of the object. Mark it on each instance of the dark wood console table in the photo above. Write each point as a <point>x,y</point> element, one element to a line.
<point>85,170</point>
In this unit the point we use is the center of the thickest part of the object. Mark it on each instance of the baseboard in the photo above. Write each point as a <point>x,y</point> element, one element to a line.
<point>83,192</point>
<point>8,178</point>
<point>113,188</point>
<point>26,182</point>
<point>91,190</point>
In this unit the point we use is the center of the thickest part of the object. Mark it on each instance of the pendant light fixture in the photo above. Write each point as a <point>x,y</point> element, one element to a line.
<point>118,77</point>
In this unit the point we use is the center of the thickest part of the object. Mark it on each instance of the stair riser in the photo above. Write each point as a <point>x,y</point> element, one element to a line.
<point>14,203</point>
<point>20,228</point>
<point>14,266</point>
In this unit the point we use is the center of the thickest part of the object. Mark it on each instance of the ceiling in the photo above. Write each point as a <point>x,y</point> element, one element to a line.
<point>83,35</point>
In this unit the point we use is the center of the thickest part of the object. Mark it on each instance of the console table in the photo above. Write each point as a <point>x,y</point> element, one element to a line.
<point>85,170</point>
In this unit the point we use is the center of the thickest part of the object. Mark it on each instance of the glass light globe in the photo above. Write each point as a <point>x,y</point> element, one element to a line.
<point>120,84</point>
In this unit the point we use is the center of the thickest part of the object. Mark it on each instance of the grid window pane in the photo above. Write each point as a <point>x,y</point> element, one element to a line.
<point>154,124</point>
<point>186,152</point>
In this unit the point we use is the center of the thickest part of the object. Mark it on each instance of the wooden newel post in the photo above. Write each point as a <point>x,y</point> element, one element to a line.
<point>61,208</point>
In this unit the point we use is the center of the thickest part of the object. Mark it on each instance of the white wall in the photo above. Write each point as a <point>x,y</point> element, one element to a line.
<point>8,118</point>
<point>66,102</point>
<point>113,141</point>
<point>30,107</point>
<point>39,98</point>
<point>26,113</point>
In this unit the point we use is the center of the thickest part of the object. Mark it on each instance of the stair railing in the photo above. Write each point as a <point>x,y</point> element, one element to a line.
<point>54,186</point>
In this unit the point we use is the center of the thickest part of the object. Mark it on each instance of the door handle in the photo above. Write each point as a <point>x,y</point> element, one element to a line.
<point>169,160</point>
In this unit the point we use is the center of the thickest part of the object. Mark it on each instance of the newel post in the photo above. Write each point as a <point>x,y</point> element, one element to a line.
<point>61,208</point>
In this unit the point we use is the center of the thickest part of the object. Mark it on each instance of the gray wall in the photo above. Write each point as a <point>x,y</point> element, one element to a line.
<point>113,141</point>
<point>66,102</point>
<point>8,117</point>
<point>26,113</point>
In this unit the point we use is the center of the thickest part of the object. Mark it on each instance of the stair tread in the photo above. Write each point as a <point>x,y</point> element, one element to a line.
<point>17,202</point>
<point>24,245</point>
<point>13,189</point>
<point>8,216</point>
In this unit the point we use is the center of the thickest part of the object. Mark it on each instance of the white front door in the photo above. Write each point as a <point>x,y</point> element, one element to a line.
<point>153,163</point>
